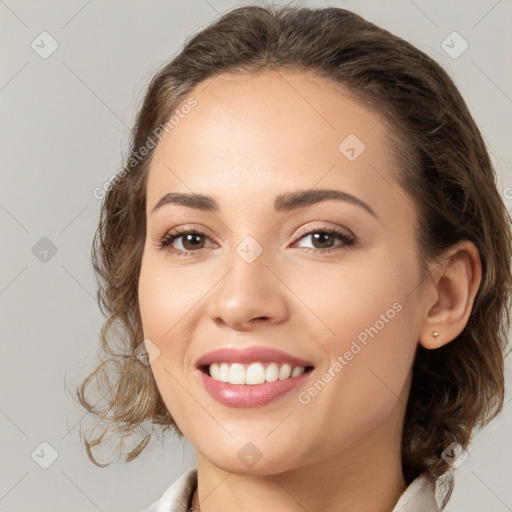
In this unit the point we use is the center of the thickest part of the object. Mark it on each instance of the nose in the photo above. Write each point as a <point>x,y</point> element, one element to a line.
<point>249,294</point>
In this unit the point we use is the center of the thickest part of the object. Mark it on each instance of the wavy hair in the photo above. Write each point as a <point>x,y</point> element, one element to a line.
<point>444,167</point>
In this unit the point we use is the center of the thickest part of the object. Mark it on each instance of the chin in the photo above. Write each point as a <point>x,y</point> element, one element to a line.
<point>248,459</point>
<point>259,468</point>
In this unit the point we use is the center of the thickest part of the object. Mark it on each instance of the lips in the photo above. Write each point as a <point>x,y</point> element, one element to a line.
<point>250,355</point>
<point>250,377</point>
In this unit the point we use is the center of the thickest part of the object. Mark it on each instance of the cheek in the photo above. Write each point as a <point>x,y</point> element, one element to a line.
<point>364,291</point>
<point>163,303</point>
<point>171,300</point>
<point>166,295</point>
<point>369,313</point>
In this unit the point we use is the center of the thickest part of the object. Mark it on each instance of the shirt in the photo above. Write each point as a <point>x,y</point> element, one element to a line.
<point>418,497</point>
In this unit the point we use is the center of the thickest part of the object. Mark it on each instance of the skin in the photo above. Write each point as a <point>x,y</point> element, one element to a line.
<point>251,138</point>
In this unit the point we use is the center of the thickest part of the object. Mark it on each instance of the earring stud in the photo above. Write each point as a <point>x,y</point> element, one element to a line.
<point>435,334</point>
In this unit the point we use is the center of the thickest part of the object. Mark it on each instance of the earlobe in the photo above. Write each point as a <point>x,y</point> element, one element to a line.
<point>435,341</point>
<point>454,286</point>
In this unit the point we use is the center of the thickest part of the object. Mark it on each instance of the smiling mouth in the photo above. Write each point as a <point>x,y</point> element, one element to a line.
<point>254,373</point>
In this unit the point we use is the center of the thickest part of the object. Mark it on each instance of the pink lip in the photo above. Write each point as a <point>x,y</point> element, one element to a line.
<point>241,395</point>
<point>250,355</point>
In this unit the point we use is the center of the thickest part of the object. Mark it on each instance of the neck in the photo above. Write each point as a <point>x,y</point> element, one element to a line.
<point>365,478</point>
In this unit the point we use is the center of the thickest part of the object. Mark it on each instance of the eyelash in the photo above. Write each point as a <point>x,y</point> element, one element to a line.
<point>166,241</point>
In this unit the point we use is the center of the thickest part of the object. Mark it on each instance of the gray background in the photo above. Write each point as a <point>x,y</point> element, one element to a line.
<point>65,127</point>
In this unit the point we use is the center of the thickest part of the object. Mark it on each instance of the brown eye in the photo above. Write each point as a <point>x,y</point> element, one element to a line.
<point>323,240</point>
<point>191,241</point>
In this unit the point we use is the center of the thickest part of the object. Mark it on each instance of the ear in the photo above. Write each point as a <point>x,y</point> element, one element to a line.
<point>452,288</point>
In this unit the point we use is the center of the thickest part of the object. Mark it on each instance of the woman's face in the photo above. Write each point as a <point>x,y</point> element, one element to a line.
<point>331,282</point>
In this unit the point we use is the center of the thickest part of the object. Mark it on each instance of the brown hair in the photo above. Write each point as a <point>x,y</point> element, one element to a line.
<point>444,166</point>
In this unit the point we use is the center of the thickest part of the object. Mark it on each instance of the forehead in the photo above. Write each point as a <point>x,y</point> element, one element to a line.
<point>274,130</point>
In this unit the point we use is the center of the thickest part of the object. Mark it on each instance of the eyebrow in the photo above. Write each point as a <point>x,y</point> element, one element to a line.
<point>283,203</point>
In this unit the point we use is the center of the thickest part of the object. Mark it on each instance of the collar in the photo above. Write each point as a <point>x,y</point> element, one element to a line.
<point>418,497</point>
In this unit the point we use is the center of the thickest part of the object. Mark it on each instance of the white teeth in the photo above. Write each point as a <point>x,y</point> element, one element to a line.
<point>214,371</point>
<point>254,373</point>
<point>298,370</point>
<point>220,372</point>
<point>285,371</point>
<point>272,372</point>
<point>224,372</point>
<point>237,374</point>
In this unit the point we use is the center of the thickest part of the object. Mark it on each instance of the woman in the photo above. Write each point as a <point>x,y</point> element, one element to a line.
<point>309,262</point>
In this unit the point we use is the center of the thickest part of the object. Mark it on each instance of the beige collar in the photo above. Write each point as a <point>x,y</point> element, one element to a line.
<point>418,497</point>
